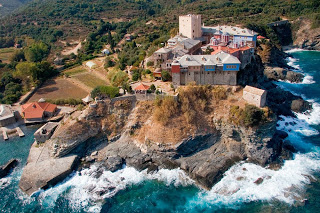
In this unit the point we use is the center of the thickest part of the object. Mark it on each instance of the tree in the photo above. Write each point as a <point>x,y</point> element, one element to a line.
<point>36,52</point>
<point>17,56</point>
<point>120,78</point>
<point>165,75</point>
<point>153,88</point>
<point>108,63</point>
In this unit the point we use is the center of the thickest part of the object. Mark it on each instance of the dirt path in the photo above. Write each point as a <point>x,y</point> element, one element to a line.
<point>74,50</point>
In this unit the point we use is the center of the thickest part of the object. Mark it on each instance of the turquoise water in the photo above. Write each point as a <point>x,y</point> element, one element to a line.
<point>293,188</point>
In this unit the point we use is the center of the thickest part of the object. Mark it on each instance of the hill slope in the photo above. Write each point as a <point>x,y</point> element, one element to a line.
<point>6,7</point>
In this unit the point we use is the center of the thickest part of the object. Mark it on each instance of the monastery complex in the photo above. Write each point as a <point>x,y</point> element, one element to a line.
<point>206,55</point>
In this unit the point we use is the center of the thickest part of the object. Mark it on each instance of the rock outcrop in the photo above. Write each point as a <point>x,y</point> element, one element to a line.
<point>306,37</point>
<point>5,170</point>
<point>204,157</point>
<point>43,171</point>
<point>278,73</point>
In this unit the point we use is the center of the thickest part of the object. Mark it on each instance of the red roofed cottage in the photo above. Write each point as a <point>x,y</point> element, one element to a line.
<point>37,111</point>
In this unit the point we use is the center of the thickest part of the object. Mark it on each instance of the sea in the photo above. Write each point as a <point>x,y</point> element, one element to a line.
<point>295,187</point>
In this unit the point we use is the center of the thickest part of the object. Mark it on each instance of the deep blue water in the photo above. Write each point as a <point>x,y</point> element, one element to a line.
<point>293,188</point>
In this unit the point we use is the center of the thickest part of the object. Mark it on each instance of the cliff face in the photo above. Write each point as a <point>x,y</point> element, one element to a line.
<point>204,157</point>
<point>306,37</point>
<point>106,118</point>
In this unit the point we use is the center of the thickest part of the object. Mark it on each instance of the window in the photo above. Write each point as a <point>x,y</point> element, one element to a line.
<point>231,66</point>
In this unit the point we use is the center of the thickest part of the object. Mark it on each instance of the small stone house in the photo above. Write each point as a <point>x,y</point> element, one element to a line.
<point>255,96</point>
<point>7,115</point>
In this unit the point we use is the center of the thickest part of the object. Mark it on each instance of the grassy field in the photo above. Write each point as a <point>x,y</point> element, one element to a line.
<point>59,89</point>
<point>90,80</point>
<point>5,54</point>
<point>74,71</point>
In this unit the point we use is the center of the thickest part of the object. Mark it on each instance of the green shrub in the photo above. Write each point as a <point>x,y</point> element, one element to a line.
<point>69,101</point>
<point>165,75</point>
<point>250,116</point>
<point>152,88</point>
<point>105,91</point>
<point>150,63</point>
<point>136,75</point>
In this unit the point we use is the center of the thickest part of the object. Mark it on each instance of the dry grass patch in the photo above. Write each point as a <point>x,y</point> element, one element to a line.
<point>74,71</point>
<point>6,53</point>
<point>59,88</point>
<point>90,80</point>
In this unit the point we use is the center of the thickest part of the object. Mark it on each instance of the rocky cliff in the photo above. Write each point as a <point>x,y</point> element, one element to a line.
<point>306,36</point>
<point>204,157</point>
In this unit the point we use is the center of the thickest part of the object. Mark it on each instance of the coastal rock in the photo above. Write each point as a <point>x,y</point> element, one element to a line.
<point>205,157</point>
<point>300,105</point>
<point>278,73</point>
<point>113,163</point>
<point>43,171</point>
<point>5,170</point>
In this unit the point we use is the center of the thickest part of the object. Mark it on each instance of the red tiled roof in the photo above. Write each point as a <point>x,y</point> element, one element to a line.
<point>260,37</point>
<point>36,109</point>
<point>230,50</point>
<point>142,87</point>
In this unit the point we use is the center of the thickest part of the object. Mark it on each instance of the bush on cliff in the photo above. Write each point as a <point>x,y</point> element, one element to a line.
<point>105,92</point>
<point>70,101</point>
<point>250,116</point>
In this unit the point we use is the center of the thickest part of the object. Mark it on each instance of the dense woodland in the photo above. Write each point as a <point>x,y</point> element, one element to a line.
<point>40,25</point>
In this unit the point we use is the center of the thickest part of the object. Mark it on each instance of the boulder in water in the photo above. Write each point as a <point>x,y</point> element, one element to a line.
<point>113,163</point>
<point>5,170</point>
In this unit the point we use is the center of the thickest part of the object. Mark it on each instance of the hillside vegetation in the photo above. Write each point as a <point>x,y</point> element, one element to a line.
<point>70,18</point>
<point>8,6</point>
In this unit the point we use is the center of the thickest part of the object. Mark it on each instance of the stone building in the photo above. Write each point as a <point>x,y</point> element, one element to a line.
<point>218,69</point>
<point>190,26</point>
<point>233,35</point>
<point>7,115</point>
<point>255,96</point>
<point>177,47</point>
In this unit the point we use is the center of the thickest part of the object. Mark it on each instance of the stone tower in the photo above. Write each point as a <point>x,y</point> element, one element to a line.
<point>190,26</point>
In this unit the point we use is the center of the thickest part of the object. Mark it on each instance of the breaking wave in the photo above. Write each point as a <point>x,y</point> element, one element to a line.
<point>292,63</point>
<point>247,182</point>
<point>88,189</point>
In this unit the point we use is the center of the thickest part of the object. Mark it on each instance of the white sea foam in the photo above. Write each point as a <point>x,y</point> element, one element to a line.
<point>308,79</point>
<point>295,50</point>
<point>238,184</point>
<point>292,62</point>
<point>87,189</point>
<point>5,182</point>
<point>312,116</point>
<point>290,124</point>
<point>286,185</point>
